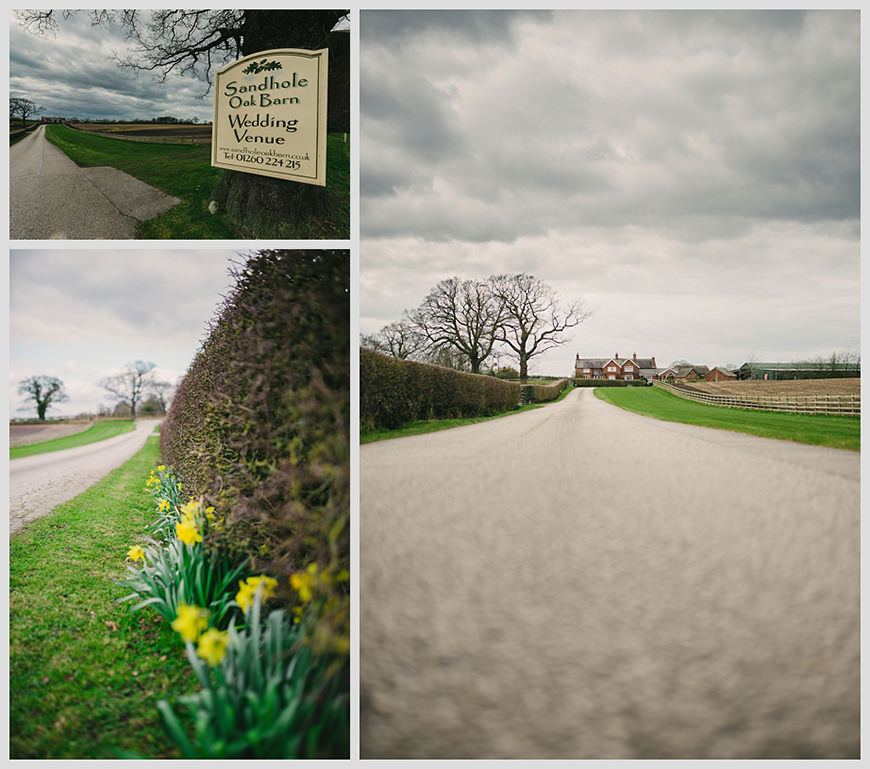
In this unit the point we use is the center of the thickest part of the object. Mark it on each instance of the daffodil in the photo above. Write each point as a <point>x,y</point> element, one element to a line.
<point>212,646</point>
<point>135,553</point>
<point>161,468</point>
<point>303,582</point>
<point>190,621</point>
<point>248,589</point>
<point>163,505</point>
<point>187,531</point>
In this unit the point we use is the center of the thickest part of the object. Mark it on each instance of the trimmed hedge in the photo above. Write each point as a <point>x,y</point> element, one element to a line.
<point>260,423</point>
<point>544,393</point>
<point>610,382</point>
<point>394,392</point>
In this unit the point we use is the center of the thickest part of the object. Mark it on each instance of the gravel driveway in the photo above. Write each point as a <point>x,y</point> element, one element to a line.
<point>579,581</point>
<point>53,198</point>
<point>39,483</point>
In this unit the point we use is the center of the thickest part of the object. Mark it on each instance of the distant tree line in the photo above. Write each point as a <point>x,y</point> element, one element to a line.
<point>462,324</point>
<point>135,390</point>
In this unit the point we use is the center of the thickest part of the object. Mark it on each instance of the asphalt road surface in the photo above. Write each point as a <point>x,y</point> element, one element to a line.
<point>39,483</point>
<point>579,581</point>
<point>52,198</point>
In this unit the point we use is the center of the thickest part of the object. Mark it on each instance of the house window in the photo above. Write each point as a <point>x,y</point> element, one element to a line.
<point>629,376</point>
<point>585,370</point>
<point>611,368</point>
<point>610,376</point>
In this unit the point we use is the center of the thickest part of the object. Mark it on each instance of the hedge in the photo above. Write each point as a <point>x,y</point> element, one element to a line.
<point>543,393</point>
<point>610,382</point>
<point>394,392</point>
<point>260,424</point>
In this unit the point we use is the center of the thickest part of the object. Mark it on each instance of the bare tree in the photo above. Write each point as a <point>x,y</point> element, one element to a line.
<point>130,385</point>
<point>533,321</point>
<point>23,108</point>
<point>44,391</point>
<point>162,393</point>
<point>197,43</point>
<point>463,315</point>
<point>402,339</point>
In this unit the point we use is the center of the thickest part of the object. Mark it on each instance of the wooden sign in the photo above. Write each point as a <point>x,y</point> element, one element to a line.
<point>270,115</point>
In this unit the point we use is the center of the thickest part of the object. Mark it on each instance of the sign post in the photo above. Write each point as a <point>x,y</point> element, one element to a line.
<point>270,115</point>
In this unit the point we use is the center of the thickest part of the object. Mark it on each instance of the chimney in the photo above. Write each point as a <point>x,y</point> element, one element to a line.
<point>616,355</point>
<point>634,357</point>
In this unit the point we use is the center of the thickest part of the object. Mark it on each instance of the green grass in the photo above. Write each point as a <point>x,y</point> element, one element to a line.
<point>84,673</point>
<point>97,432</point>
<point>421,426</point>
<point>185,171</point>
<point>818,429</point>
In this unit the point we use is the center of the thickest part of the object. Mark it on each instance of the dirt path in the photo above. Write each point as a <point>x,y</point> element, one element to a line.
<point>39,483</point>
<point>582,582</point>
<point>53,198</point>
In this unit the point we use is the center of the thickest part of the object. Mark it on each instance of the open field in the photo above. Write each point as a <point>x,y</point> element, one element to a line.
<point>24,435</point>
<point>192,134</point>
<point>780,387</point>
<point>99,431</point>
<point>821,430</point>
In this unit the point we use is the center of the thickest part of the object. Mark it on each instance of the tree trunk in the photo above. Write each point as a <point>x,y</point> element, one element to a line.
<point>40,411</point>
<point>262,206</point>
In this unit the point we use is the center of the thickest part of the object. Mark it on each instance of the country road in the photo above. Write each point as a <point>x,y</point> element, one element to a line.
<point>52,198</point>
<point>39,483</point>
<point>578,581</point>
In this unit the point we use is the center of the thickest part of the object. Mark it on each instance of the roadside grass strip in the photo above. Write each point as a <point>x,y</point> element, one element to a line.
<point>422,426</point>
<point>818,429</point>
<point>85,674</point>
<point>185,171</point>
<point>100,431</point>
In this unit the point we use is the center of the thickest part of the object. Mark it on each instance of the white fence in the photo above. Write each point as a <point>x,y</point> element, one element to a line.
<point>844,405</point>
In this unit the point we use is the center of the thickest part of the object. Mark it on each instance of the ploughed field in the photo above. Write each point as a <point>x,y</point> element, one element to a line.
<point>24,435</point>
<point>782,387</point>
<point>200,134</point>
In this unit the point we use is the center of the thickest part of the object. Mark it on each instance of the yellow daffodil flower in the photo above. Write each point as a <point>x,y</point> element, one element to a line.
<point>212,646</point>
<point>187,531</point>
<point>163,505</point>
<point>190,621</point>
<point>248,589</point>
<point>135,553</point>
<point>161,468</point>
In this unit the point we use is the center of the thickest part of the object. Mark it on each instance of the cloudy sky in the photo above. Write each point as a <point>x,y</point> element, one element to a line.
<point>691,176</point>
<point>72,74</point>
<point>81,315</point>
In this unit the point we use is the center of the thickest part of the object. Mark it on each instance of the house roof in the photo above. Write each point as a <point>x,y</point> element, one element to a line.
<point>686,370</point>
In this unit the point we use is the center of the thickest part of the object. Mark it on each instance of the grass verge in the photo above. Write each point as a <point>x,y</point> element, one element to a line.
<point>185,171</point>
<point>84,673</point>
<point>421,426</point>
<point>818,429</point>
<point>97,432</point>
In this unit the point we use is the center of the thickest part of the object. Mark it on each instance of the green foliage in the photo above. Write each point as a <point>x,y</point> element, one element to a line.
<point>260,424</point>
<point>179,573</point>
<point>819,429</point>
<point>537,393</point>
<point>269,697</point>
<point>610,382</point>
<point>98,432</point>
<point>395,392</point>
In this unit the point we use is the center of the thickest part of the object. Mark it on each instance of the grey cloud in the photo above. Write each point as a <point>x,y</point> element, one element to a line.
<point>399,28</point>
